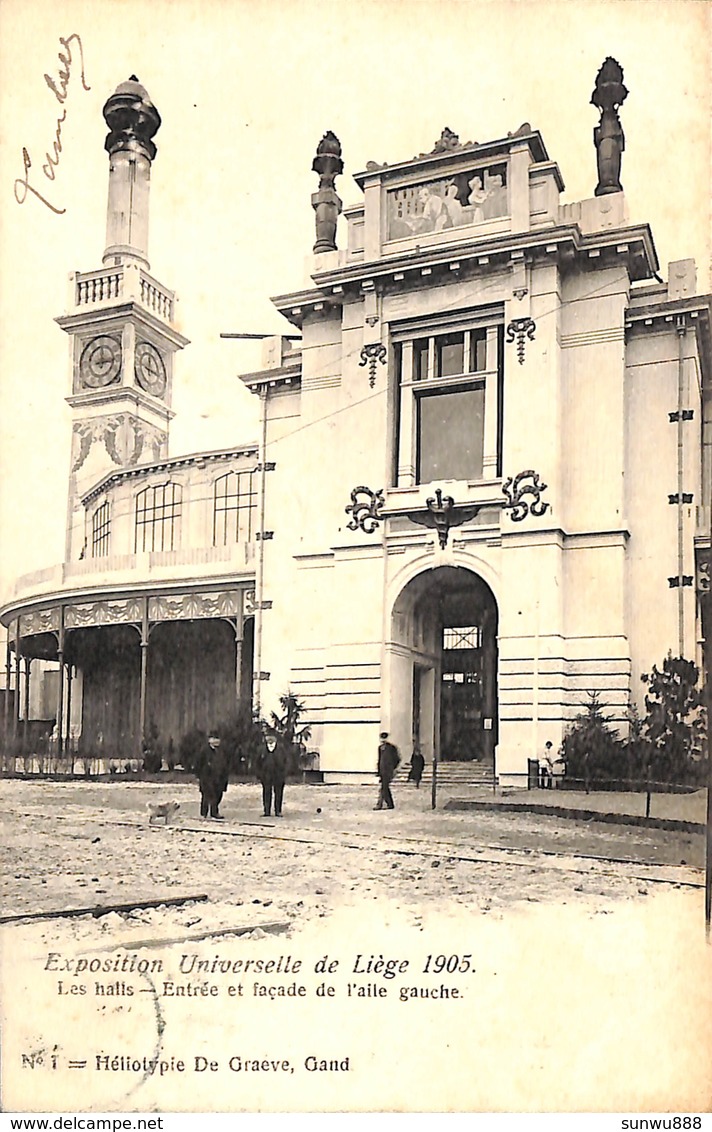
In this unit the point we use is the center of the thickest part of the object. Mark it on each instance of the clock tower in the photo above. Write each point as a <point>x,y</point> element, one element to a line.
<point>121,324</point>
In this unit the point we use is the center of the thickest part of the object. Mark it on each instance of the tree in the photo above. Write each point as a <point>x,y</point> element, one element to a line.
<point>675,723</point>
<point>591,749</point>
<point>287,726</point>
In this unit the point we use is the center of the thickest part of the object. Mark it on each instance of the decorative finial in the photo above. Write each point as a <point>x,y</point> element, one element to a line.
<point>325,202</point>
<point>608,94</point>
<point>132,119</point>
<point>447,140</point>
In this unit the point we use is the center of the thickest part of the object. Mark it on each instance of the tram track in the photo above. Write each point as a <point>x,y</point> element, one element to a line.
<point>599,865</point>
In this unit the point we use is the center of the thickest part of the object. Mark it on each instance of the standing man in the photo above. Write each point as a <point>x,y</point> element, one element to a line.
<point>211,770</point>
<point>272,771</point>
<point>388,760</point>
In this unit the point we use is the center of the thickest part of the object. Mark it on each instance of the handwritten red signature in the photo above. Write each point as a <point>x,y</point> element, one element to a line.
<point>59,88</point>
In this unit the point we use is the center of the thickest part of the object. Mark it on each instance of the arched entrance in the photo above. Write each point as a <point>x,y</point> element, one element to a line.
<point>444,665</point>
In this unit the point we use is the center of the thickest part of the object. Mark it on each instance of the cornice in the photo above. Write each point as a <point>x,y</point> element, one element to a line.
<point>668,308</point>
<point>693,312</point>
<point>460,154</point>
<point>570,540</point>
<point>171,462</point>
<point>113,397</point>
<point>564,244</point>
<point>277,378</point>
<point>92,317</point>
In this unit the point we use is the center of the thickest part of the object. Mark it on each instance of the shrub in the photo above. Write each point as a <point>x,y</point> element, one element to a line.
<point>675,724</point>
<point>637,751</point>
<point>191,746</point>
<point>152,762</point>
<point>591,749</point>
<point>152,757</point>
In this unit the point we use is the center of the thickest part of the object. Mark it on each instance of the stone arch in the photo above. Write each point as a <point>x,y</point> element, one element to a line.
<point>441,663</point>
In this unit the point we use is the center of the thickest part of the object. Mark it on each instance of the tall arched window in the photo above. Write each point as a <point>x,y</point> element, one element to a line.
<point>100,530</point>
<point>158,512</point>
<point>234,509</point>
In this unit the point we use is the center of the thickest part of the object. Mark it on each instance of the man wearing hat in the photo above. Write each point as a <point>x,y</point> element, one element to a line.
<point>388,760</point>
<point>272,771</point>
<point>211,770</point>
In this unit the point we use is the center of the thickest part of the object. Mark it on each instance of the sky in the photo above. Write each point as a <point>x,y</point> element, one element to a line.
<point>246,89</point>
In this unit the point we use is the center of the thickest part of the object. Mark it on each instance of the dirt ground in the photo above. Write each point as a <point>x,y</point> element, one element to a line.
<point>583,977</point>
<point>72,845</point>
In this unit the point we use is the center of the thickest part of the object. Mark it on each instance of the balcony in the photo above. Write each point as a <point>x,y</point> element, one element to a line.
<point>124,283</point>
<point>139,570</point>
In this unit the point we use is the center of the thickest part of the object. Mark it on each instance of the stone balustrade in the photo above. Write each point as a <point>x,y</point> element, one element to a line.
<point>125,282</point>
<point>157,298</point>
<point>98,286</point>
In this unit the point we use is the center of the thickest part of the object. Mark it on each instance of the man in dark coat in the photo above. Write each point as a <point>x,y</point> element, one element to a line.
<point>272,771</point>
<point>388,760</point>
<point>211,769</point>
<point>417,765</point>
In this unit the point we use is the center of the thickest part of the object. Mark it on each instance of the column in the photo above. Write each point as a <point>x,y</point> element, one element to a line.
<point>6,698</point>
<point>60,704</point>
<point>16,712</point>
<point>145,631</point>
<point>70,673</point>
<point>238,663</point>
<point>26,712</point>
<point>60,683</point>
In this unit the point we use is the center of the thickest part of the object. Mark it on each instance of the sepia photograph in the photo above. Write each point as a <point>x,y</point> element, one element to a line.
<point>355,543</point>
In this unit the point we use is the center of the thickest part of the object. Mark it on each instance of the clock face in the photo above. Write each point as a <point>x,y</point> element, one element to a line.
<point>100,363</point>
<point>150,369</point>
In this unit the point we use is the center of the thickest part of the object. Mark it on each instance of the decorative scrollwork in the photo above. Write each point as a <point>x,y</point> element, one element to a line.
<point>103,613</point>
<point>365,513</point>
<point>515,488</point>
<point>123,440</point>
<point>82,441</point>
<point>371,354</point>
<point>443,514</point>
<point>41,621</point>
<point>519,327</point>
<point>186,607</point>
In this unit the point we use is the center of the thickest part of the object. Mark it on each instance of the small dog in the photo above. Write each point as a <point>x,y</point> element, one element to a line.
<point>161,810</point>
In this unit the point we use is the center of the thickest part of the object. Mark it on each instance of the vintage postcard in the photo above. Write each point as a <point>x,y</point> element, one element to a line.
<point>355,496</point>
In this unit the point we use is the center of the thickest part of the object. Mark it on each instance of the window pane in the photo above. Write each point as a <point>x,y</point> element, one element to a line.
<point>420,359</point>
<point>101,525</point>
<point>465,637</point>
<point>449,355</point>
<point>234,508</point>
<point>157,515</point>
<point>451,435</point>
<point>478,351</point>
